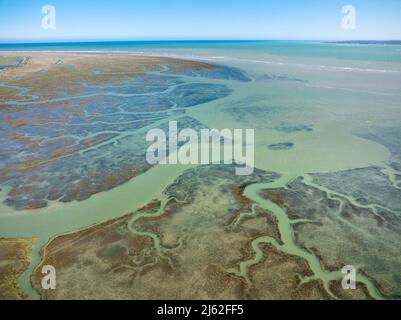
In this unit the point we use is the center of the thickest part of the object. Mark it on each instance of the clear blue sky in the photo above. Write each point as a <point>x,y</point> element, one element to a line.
<point>20,20</point>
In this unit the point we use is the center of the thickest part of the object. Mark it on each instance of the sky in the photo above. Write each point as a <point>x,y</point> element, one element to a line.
<point>87,20</point>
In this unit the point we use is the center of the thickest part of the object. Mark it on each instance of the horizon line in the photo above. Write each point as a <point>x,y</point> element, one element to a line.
<point>22,42</point>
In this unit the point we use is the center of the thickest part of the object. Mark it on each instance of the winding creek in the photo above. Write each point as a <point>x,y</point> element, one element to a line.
<point>288,245</point>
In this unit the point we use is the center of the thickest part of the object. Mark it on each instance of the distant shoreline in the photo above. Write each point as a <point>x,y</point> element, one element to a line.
<point>366,42</point>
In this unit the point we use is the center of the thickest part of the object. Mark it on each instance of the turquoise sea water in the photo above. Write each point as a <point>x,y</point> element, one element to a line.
<point>310,49</point>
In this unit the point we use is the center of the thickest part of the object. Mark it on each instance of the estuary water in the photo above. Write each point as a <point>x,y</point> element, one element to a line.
<point>313,96</point>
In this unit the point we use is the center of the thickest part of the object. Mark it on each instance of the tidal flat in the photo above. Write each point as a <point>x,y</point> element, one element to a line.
<point>77,192</point>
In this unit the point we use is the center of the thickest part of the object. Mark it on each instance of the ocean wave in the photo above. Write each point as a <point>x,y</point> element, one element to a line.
<point>319,67</point>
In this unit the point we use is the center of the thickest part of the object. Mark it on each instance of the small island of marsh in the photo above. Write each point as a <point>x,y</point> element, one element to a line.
<point>281,146</point>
